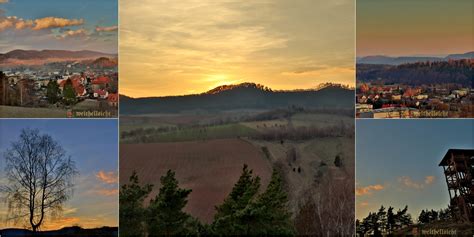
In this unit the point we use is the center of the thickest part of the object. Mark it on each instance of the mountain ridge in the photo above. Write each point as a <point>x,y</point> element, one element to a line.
<point>28,57</point>
<point>388,60</point>
<point>240,96</point>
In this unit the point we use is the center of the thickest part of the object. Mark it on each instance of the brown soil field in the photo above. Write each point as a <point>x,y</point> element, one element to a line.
<point>209,168</point>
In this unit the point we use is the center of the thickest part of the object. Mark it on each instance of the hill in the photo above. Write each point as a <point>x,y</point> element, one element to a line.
<point>443,72</point>
<point>33,57</point>
<point>102,62</point>
<point>240,96</point>
<point>380,59</point>
<point>64,232</point>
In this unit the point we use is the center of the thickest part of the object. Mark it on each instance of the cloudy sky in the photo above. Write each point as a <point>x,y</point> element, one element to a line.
<point>183,47</point>
<point>59,24</point>
<point>414,27</point>
<point>92,144</point>
<point>397,162</point>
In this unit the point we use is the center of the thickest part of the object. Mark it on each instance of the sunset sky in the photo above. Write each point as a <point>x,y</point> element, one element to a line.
<point>93,145</point>
<point>59,24</point>
<point>185,47</point>
<point>414,27</point>
<point>397,162</point>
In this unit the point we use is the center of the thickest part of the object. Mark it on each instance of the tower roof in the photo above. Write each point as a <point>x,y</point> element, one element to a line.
<point>444,161</point>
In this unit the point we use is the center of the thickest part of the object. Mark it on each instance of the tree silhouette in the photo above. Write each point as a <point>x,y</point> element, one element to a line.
<point>40,177</point>
<point>52,92</point>
<point>165,215</point>
<point>245,212</point>
<point>132,211</point>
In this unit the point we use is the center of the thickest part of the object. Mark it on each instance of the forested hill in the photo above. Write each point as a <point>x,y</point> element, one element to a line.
<point>242,96</point>
<point>452,71</point>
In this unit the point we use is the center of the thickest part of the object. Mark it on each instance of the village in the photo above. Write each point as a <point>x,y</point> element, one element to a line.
<point>68,87</point>
<point>376,100</point>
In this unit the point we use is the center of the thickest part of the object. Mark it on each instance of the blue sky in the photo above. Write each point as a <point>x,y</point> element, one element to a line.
<point>397,162</point>
<point>93,13</point>
<point>93,145</point>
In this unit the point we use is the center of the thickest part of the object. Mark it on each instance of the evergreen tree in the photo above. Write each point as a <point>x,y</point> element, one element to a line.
<point>382,219</point>
<point>165,215</point>
<point>69,94</point>
<point>225,220</point>
<point>271,211</point>
<point>52,92</point>
<point>244,212</point>
<point>390,220</point>
<point>131,207</point>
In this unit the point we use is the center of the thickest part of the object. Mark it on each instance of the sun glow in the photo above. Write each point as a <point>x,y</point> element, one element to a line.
<point>216,80</point>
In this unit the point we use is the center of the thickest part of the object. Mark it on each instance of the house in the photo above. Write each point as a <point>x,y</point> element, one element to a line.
<point>100,83</point>
<point>77,84</point>
<point>102,94</point>
<point>113,99</point>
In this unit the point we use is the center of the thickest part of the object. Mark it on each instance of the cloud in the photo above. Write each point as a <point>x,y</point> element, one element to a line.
<point>73,33</point>
<point>429,179</point>
<point>7,22</point>
<point>3,1</point>
<point>106,29</point>
<point>22,24</point>
<point>37,24</point>
<point>55,22</point>
<point>368,189</point>
<point>364,204</point>
<point>408,182</point>
<point>61,223</point>
<point>106,192</point>
<point>107,177</point>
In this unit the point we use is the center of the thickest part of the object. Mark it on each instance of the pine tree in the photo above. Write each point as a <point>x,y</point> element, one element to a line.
<point>131,207</point>
<point>52,92</point>
<point>244,212</point>
<point>271,211</point>
<point>165,215</point>
<point>226,219</point>
<point>69,95</point>
<point>390,220</point>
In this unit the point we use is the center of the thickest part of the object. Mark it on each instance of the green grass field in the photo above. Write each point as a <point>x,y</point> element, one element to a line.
<point>203,133</point>
<point>25,112</point>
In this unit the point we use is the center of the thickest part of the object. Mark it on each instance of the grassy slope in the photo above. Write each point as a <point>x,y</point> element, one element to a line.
<point>25,112</point>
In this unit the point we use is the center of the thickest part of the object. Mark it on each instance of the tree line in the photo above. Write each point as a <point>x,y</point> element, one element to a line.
<point>245,211</point>
<point>387,221</point>
<point>453,71</point>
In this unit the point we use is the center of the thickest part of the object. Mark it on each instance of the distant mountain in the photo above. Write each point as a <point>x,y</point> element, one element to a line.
<point>419,73</point>
<point>102,62</point>
<point>380,59</point>
<point>42,56</point>
<point>240,96</point>
<point>468,55</point>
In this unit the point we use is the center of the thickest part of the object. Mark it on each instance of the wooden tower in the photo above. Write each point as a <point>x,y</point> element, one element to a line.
<point>458,169</point>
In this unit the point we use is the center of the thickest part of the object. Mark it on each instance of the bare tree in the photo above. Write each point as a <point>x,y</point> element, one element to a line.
<point>40,178</point>
<point>328,210</point>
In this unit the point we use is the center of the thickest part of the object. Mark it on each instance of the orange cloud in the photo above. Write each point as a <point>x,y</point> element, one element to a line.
<point>107,177</point>
<point>364,204</point>
<point>7,22</point>
<point>106,29</point>
<point>55,22</point>
<point>409,183</point>
<point>57,224</point>
<point>107,192</point>
<point>368,189</point>
<point>22,24</point>
<point>3,1</point>
<point>37,24</point>
<point>429,179</point>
